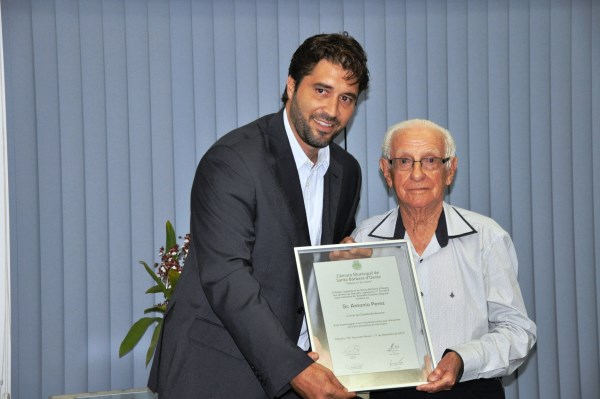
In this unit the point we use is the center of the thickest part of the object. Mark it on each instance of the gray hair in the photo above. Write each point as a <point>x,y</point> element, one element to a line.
<point>449,144</point>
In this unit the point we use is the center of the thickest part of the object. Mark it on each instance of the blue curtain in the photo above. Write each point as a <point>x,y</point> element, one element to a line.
<point>111,104</point>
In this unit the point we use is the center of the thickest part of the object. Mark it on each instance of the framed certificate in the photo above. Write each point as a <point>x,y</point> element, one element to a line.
<point>365,315</point>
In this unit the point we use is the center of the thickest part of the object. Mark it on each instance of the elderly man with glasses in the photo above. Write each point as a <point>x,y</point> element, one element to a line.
<point>466,266</point>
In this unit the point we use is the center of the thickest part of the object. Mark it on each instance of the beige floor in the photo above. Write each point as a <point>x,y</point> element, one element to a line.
<point>122,394</point>
<point>126,394</point>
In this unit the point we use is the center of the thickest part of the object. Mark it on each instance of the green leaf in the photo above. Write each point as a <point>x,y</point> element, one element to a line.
<point>156,279</point>
<point>157,308</point>
<point>173,277</point>
<point>135,333</point>
<point>171,238</point>
<point>153,342</point>
<point>154,290</point>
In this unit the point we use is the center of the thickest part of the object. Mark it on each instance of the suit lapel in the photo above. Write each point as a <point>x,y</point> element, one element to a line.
<point>284,169</point>
<point>331,194</point>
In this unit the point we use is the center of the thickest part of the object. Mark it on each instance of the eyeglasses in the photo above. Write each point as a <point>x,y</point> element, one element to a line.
<point>428,163</point>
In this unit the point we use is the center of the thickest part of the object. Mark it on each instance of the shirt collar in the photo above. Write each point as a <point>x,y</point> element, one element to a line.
<point>300,157</point>
<point>441,231</point>
<point>451,224</point>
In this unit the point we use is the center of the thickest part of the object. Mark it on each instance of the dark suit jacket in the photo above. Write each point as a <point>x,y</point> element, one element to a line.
<point>232,326</point>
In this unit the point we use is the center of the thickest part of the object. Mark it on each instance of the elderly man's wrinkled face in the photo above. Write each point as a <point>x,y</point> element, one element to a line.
<point>418,188</point>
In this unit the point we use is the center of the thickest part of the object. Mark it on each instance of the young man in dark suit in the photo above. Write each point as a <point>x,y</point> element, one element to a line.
<point>235,326</point>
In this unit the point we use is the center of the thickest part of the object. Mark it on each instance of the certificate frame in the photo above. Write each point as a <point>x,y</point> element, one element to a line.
<point>365,314</point>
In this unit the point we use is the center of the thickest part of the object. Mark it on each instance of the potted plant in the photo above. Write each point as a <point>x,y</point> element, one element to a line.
<point>166,277</point>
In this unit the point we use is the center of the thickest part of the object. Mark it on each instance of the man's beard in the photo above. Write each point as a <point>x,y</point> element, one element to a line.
<point>314,139</point>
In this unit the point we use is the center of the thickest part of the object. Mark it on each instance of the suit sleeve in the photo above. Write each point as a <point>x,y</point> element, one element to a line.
<point>223,230</point>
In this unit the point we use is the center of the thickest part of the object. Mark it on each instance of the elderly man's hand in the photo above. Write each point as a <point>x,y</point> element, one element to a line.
<point>352,253</point>
<point>445,375</point>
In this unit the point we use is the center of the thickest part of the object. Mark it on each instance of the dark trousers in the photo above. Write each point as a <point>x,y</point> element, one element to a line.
<point>476,389</point>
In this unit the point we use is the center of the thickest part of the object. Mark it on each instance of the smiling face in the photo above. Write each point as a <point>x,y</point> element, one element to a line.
<point>320,106</point>
<point>418,189</point>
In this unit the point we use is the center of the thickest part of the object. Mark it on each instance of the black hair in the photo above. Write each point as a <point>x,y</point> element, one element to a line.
<point>337,48</point>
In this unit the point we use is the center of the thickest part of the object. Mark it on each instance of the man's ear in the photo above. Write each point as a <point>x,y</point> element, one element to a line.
<point>452,171</point>
<point>290,86</point>
<point>384,165</point>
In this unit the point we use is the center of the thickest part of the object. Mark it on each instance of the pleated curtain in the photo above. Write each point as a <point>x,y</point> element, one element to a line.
<point>112,103</point>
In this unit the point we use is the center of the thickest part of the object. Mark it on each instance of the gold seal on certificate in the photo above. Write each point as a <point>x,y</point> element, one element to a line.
<point>365,315</point>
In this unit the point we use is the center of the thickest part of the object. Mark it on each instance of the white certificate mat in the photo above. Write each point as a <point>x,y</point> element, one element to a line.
<point>364,313</point>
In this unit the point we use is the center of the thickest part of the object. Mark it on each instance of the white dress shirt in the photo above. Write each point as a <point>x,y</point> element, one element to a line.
<point>468,278</point>
<point>312,182</point>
